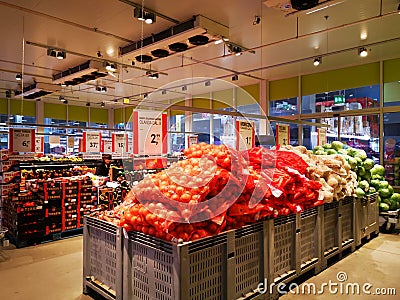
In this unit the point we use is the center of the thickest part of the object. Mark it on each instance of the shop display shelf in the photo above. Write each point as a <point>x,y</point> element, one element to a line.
<point>230,265</point>
<point>102,258</point>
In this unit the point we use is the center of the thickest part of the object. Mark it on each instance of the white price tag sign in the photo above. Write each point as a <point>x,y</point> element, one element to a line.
<point>91,142</point>
<point>282,134</point>
<point>193,139</point>
<point>150,132</point>
<point>39,144</point>
<point>22,140</point>
<point>245,135</point>
<point>107,147</point>
<point>54,139</point>
<point>71,142</point>
<point>321,137</point>
<point>119,142</point>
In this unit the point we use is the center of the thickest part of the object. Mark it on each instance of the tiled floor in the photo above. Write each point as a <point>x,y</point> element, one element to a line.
<point>53,271</point>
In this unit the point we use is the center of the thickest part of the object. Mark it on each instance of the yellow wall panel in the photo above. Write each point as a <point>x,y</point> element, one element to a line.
<point>55,111</point>
<point>78,113</point>
<point>98,115</point>
<point>283,89</point>
<point>22,107</point>
<point>391,70</point>
<point>222,99</point>
<point>118,115</point>
<point>3,106</point>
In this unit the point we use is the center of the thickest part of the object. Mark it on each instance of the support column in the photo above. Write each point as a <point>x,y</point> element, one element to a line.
<point>264,107</point>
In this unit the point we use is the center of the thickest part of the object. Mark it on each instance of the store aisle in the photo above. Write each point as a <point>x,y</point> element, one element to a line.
<point>54,271</point>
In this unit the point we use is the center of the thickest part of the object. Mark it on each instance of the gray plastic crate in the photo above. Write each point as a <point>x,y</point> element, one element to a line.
<point>282,251</point>
<point>367,217</point>
<point>227,266</point>
<point>102,258</point>
<point>330,228</point>
<point>347,221</point>
<point>309,240</point>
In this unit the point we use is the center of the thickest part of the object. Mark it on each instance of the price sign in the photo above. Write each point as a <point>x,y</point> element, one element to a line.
<point>193,139</point>
<point>22,140</point>
<point>119,142</point>
<point>150,132</point>
<point>107,147</point>
<point>282,134</point>
<point>39,144</point>
<point>321,137</point>
<point>245,135</point>
<point>91,142</point>
<point>71,142</point>
<point>54,139</point>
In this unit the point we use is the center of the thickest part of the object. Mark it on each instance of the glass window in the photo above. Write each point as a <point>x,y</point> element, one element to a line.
<point>22,120</point>
<point>350,99</point>
<point>391,93</point>
<point>293,135</point>
<point>3,131</point>
<point>201,126</point>
<point>284,107</point>
<point>177,133</point>
<point>392,147</point>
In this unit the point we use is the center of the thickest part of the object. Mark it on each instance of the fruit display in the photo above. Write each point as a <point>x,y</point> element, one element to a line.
<point>370,176</point>
<point>217,189</point>
<point>65,159</point>
<point>50,174</point>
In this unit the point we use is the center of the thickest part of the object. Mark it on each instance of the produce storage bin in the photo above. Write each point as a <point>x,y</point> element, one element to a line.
<point>347,223</point>
<point>308,243</point>
<point>228,266</point>
<point>102,258</point>
<point>367,217</point>
<point>329,231</point>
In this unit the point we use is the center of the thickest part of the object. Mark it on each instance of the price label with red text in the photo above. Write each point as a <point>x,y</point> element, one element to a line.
<point>119,142</point>
<point>245,135</point>
<point>150,132</point>
<point>22,140</point>
<point>91,142</point>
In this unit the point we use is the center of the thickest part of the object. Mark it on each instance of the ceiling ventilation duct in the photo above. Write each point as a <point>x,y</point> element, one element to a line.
<point>89,70</point>
<point>195,32</point>
<point>303,4</point>
<point>38,90</point>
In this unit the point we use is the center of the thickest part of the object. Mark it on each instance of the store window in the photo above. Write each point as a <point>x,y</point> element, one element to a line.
<point>201,127</point>
<point>392,147</point>
<point>176,132</point>
<point>3,131</point>
<point>22,121</point>
<point>336,101</point>
<point>284,107</point>
<point>294,133</point>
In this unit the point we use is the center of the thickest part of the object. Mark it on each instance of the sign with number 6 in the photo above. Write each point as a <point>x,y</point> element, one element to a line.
<point>22,140</point>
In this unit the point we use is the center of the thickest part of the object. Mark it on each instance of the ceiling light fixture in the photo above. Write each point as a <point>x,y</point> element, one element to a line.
<point>143,15</point>
<point>363,52</point>
<point>184,88</point>
<point>88,104</point>
<point>110,67</point>
<point>101,89</point>
<point>61,55</point>
<point>163,92</point>
<point>207,83</point>
<point>63,84</point>
<point>51,52</point>
<point>235,77</point>
<point>18,77</point>
<point>62,99</point>
<point>317,61</point>
<point>102,104</point>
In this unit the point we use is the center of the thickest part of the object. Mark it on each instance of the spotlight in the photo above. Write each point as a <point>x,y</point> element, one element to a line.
<point>150,18</point>
<point>8,94</point>
<point>184,88</point>
<point>145,95</point>
<point>99,54</point>
<point>18,77</point>
<point>63,84</point>
<point>110,67</point>
<point>102,104</point>
<point>362,51</point>
<point>398,8</point>
<point>101,89</point>
<point>207,83</point>
<point>62,99</point>
<point>317,61</point>
<point>152,75</point>
<point>61,55</point>
<point>65,102</point>
<point>235,77</point>
<point>88,104</point>
<point>138,13</point>
<point>163,92</point>
<point>51,52</point>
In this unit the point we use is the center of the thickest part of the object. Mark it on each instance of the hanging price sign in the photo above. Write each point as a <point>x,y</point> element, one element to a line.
<point>71,142</point>
<point>91,142</point>
<point>150,132</point>
<point>245,135</point>
<point>282,134</point>
<point>119,142</point>
<point>39,144</point>
<point>22,140</point>
<point>54,139</point>
<point>321,137</point>
<point>193,139</point>
<point>107,147</point>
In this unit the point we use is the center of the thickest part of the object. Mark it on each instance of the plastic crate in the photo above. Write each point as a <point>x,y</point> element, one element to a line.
<point>227,266</point>
<point>283,239</point>
<point>347,222</point>
<point>102,258</point>
<point>309,240</point>
<point>330,229</point>
<point>367,217</point>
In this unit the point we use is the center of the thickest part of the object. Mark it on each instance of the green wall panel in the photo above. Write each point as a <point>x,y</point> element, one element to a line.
<point>391,70</point>
<point>55,111</point>
<point>3,106</point>
<point>340,79</point>
<point>128,113</point>
<point>391,91</point>
<point>25,107</point>
<point>201,101</point>
<point>247,95</point>
<point>222,99</point>
<point>118,116</point>
<point>78,113</point>
<point>99,115</point>
<point>283,89</point>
